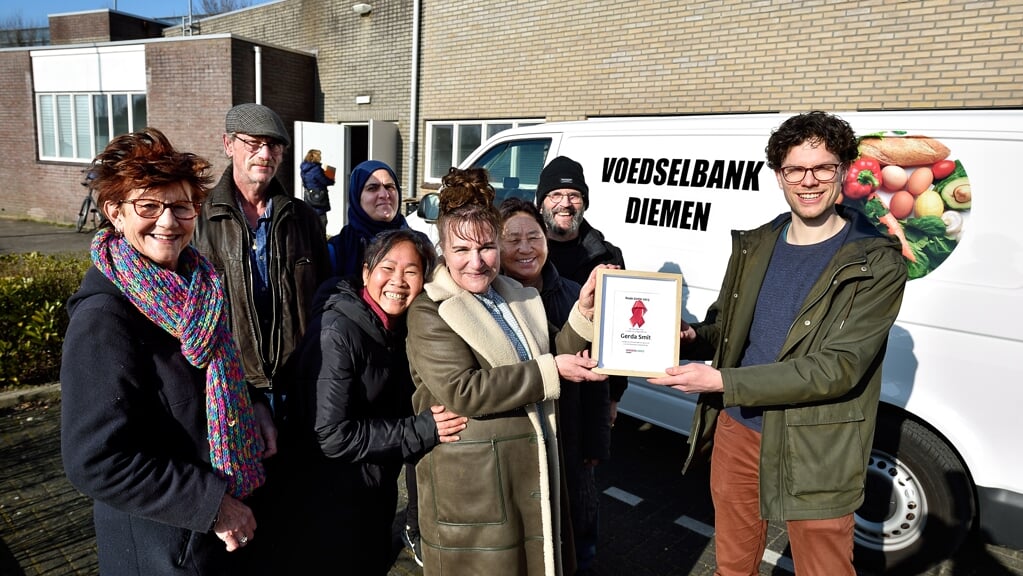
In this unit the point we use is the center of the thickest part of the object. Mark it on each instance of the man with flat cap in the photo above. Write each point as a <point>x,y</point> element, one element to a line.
<point>270,251</point>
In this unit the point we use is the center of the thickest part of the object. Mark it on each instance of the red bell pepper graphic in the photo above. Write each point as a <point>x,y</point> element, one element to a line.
<point>638,310</point>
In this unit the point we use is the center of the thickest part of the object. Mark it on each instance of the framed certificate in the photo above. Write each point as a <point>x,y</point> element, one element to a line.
<point>636,322</point>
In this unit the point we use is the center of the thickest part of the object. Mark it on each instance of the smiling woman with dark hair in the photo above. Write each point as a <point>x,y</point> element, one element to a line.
<point>352,409</point>
<point>157,425</point>
<point>584,409</point>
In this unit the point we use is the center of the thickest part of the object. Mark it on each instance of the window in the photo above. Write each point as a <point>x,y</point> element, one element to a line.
<point>514,167</point>
<point>79,126</point>
<point>451,142</point>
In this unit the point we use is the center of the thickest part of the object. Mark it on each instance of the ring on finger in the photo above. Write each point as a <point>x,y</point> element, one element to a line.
<point>243,539</point>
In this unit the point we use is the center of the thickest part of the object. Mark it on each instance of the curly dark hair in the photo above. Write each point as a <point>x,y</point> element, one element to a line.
<point>512,206</point>
<point>144,160</point>
<point>467,205</point>
<point>816,127</point>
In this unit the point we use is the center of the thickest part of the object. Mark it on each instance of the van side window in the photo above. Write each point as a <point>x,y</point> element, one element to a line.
<point>514,167</point>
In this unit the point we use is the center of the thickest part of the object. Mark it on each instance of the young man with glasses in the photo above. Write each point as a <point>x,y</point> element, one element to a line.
<point>575,248</point>
<point>270,251</point>
<point>797,336</point>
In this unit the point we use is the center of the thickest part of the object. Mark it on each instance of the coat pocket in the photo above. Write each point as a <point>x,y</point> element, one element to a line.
<point>469,482</point>
<point>824,449</point>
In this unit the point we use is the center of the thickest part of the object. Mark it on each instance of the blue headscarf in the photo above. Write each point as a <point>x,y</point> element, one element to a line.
<point>349,246</point>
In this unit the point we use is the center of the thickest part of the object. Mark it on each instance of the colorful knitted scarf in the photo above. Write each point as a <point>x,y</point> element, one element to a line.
<point>192,310</point>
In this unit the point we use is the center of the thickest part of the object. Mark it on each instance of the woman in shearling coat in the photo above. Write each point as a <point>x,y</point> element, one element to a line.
<point>479,344</point>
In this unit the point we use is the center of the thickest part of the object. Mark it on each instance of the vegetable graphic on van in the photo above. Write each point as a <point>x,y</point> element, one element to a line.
<point>924,203</point>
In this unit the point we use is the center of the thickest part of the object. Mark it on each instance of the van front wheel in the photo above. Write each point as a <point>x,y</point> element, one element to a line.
<point>919,504</point>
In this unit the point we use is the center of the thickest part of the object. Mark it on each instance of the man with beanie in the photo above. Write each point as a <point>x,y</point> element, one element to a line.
<point>575,248</point>
<point>270,251</point>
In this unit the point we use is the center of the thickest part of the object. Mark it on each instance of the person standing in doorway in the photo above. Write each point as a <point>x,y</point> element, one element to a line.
<point>315,181</point>
<point>798,336</point>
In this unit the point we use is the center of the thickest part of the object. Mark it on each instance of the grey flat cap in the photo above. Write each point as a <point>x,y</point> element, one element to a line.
<point>256,120</point>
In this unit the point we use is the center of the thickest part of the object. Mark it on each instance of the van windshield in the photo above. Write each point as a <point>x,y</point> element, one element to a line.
<point>514,167</point>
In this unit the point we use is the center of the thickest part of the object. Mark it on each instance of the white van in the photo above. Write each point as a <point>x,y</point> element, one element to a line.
<point>946,459</point>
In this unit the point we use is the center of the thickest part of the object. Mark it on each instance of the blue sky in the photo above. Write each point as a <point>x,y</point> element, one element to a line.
<point>36,11</point>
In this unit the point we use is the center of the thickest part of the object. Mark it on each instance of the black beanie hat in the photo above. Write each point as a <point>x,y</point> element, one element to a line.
<point>562,172</point>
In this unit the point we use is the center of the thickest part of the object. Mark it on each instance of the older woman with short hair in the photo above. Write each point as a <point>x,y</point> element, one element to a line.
<point>157,425</point>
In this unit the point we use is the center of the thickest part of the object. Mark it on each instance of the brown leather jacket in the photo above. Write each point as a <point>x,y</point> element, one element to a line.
<point>298,264</point>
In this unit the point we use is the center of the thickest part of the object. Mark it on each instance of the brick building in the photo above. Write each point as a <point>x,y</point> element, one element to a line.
<point>486,65</point>
<point>60,104</point>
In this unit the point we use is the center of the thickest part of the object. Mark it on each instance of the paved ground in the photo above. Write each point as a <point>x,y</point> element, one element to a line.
<point>30,236</point>
<point>46,525</point>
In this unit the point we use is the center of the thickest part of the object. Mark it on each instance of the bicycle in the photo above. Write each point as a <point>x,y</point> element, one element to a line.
<point>89,208</point>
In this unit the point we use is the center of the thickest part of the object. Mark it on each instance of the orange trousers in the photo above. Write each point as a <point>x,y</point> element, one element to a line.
<point>819,547</point>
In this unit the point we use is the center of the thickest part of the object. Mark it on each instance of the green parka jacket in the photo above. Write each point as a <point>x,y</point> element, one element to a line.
<point>820,397</point>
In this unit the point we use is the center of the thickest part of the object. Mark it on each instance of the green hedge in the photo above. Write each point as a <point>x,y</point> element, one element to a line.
<point>34,289</point>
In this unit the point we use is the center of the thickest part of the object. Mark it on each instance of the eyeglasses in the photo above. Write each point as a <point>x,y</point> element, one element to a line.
<point>254,146</point>
<point>573,197</point>
<point>821,173</point>
<point>152,209</point>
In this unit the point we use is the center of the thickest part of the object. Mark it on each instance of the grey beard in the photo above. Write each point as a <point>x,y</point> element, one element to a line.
<point>558,231</point>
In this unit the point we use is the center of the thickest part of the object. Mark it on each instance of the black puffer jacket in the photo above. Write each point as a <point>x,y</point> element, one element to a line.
<point>351,408</point>
<point>298,264</point>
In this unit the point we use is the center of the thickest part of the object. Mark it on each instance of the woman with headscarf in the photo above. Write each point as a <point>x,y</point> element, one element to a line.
<point>157,425</point>
<point>373,199</point>
<point>480,345</point>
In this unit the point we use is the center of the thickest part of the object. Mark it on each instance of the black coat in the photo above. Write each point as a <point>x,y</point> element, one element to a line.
<point>134,439</point>
<point>584,407</point>
<point>575,259</point>
<point>352,412</point>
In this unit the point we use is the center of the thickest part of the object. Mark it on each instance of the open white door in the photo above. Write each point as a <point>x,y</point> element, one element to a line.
<point>383,142</point>
<point>329,139</point>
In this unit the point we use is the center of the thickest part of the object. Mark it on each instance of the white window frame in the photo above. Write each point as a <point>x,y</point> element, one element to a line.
<point>77,155</point>
<point>455,126</point>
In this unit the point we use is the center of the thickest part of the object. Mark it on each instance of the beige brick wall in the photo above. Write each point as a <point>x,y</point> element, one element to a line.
<point>570,60</point>
<point>567,59</point>
<point>356,55</point>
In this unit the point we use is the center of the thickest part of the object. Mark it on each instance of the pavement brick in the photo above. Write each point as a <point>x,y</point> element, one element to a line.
<point>46,525</point>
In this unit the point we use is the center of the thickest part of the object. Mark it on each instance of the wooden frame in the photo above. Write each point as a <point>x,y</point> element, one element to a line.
<point>636,322</point>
